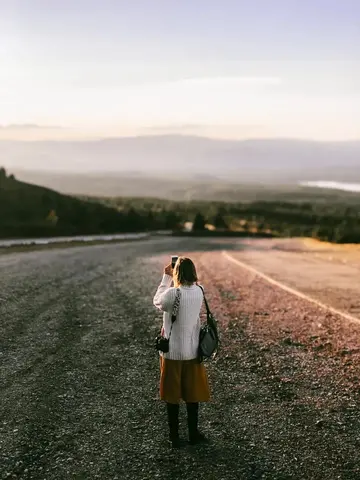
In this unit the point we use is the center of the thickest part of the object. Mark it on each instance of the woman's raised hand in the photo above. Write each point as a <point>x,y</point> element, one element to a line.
<point>168,270</point>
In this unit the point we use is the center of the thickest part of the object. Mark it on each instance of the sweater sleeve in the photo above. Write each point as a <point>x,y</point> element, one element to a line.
<point>165,295</point>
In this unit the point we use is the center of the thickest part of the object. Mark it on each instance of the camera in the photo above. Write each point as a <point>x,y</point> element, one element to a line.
<point>173,260</point>
<point>162,344</point>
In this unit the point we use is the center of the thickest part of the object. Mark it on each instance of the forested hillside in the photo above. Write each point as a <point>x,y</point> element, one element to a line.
<point>27,210</point>
<point>332,221</point>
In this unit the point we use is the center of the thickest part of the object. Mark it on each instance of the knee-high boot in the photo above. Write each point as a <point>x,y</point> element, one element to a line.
<point>173,421</point>
<point>193,418</point>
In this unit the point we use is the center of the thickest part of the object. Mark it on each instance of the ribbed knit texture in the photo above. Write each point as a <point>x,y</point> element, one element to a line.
<point>184,340</point>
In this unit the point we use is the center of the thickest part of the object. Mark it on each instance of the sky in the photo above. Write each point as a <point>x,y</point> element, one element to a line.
<point>224,69</point>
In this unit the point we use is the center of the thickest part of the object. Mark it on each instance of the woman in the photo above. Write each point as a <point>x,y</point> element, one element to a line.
<point>182,376</point>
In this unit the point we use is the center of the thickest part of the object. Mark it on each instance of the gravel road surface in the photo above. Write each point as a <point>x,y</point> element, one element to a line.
<point>79,375</point>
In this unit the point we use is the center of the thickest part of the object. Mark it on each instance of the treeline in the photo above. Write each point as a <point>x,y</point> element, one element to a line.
<point>28,211</point>
<point>334,222</point>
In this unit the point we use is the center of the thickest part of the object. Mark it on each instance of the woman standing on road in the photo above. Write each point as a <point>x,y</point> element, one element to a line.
<point>182,376</point>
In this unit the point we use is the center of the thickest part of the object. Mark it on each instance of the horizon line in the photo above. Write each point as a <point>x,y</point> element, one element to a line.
<point>178,135</point>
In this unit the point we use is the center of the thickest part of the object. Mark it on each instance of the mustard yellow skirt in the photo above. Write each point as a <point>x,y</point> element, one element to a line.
<point>183,379</point>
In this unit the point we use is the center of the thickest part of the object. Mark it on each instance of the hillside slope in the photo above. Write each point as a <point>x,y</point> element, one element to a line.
<point>28,210</point>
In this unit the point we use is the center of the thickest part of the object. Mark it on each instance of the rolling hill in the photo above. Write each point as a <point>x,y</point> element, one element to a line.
<point>28,210</point>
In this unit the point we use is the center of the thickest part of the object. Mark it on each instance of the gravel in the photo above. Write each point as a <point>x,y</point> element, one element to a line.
<point>79,374</point>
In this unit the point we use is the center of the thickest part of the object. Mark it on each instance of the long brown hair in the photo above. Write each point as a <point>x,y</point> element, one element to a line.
<point>184,272</point>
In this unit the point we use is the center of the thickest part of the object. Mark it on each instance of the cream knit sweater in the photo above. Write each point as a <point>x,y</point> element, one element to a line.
<point>184,340</point>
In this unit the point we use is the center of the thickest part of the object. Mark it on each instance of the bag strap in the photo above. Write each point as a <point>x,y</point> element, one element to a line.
<point>175,309</point>
<point>206,303</point>
<point>176,305</point>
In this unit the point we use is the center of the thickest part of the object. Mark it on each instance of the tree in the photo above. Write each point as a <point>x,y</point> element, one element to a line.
<point>2,176</point>
<point>199,223</point>
<point>150,221</point>
<point>52,218</point>
<point>134,220</point>
<point>171,220</point>
<point>219,221</point>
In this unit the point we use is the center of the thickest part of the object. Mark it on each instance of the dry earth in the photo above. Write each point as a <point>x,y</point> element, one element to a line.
<point>79,395</point>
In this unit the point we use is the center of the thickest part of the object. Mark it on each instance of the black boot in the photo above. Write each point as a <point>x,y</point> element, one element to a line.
<point>193,416</point>
<point>173,420</point>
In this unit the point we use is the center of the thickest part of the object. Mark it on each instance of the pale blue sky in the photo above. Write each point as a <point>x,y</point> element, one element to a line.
<point>233,68</point>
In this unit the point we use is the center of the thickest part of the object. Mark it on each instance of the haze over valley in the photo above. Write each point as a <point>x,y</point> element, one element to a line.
<point>168,162</point>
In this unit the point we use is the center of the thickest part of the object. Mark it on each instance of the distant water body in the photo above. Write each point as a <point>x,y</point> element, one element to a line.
<point>348,187</point>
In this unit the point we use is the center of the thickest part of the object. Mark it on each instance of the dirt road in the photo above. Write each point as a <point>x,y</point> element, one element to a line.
<point>79,395</point>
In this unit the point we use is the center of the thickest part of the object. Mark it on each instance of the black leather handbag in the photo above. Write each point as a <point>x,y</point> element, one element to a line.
<point>209,336</point>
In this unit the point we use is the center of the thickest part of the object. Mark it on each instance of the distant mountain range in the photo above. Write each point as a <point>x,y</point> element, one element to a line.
<point>159,159</point>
